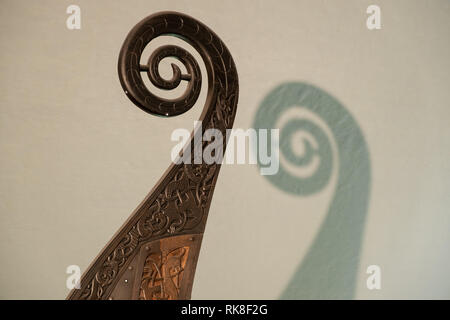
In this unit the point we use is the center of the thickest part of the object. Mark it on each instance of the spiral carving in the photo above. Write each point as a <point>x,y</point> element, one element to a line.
<point>186,28</point>
<point>180,201</point>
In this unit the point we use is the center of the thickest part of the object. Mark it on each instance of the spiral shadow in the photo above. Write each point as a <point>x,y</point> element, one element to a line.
<point>329,269</point>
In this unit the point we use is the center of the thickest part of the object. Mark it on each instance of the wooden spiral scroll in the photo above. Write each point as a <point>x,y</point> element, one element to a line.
<point>154,254</point>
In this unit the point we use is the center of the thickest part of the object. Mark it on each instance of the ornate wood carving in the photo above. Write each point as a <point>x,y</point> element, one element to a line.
<point>175,210</point>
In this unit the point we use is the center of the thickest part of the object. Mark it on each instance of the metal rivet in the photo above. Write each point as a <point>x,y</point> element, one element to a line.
<point>130,268</point>
<point>110,298</point>
<point>126,280</point>
<point>147,248</point>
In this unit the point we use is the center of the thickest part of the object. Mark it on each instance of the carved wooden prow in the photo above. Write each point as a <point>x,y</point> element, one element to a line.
<point>154,254</point>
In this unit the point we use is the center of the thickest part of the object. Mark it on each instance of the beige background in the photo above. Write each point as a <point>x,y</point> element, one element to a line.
<point>76,157</point>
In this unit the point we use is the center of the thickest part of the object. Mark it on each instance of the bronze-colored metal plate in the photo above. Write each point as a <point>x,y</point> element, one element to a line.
<point>162,270</point>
